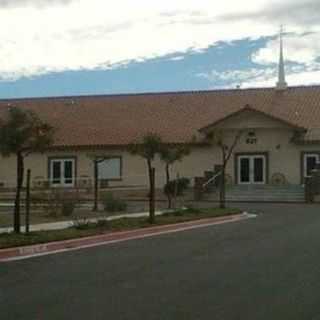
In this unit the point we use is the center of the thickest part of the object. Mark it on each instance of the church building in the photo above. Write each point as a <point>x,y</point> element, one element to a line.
<point>279,145</point>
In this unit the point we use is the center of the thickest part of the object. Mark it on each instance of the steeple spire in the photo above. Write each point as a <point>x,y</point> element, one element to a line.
<point>281,84</point>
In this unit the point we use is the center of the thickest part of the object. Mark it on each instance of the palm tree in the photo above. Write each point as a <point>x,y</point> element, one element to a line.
<point>169,155</point>
<point>148,147</point>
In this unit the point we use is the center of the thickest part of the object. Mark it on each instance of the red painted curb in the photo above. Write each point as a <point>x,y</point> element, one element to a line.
<point>44,248</point>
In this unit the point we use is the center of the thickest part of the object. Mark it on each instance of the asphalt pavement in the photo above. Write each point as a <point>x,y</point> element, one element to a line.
<point>263,268</point>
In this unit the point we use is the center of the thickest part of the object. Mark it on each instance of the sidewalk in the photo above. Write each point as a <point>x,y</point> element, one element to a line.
<point>10,205</point>
<point>66,224</point>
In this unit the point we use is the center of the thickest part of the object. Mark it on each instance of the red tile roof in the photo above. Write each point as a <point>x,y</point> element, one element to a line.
<point>177,117</point>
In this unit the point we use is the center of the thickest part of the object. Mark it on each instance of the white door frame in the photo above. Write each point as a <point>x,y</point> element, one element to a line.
<point>305,157</point>
<point>251,158</point>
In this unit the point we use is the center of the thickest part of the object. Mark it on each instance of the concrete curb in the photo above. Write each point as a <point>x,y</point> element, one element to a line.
<point>25,252</point>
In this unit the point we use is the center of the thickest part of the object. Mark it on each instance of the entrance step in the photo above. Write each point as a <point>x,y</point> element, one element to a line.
<point>265,193</point>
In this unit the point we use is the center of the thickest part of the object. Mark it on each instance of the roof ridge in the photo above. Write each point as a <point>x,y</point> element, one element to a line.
<point>151,93</point>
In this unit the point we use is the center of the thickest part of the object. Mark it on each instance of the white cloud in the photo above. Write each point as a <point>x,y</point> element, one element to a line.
<point>238,75</point>
<point>297,48</point>
<point>177,58</point>
<point>37,38</point>
<point>294,79</point>
<point>263,77</point>
<point>33,3</point>
<point>304,50</point>
<point>242,78</point>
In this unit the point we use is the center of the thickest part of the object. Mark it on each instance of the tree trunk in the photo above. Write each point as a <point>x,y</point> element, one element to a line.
<point>223,188</point>
<point>96,186</point>
<point>167,173</point>
<point>27,228</point>
<point>151,193</point>
<point>20,173</point>
<point>168,180</point>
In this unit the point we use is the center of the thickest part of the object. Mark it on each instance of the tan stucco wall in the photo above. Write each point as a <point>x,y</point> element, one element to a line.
<point>251,119</point>
<point>272,137</point>
<point>133,169</point>
<point>284,157</point>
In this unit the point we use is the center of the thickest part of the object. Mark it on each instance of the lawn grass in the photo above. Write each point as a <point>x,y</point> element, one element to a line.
<point>82,228</point>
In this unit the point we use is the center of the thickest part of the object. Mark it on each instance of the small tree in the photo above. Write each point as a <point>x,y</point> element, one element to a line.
<point>218,138</point>
<point>149,146</point>
<point>21,133</point>
<point>169,155</point>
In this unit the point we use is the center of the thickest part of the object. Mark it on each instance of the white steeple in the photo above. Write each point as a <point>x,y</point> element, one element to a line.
<point>281,84</point>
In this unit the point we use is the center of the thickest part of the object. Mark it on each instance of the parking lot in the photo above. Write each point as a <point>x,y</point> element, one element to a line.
<point>263,268</point>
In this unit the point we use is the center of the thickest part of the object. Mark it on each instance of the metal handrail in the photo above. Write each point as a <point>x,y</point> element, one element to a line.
<point>212,179</point>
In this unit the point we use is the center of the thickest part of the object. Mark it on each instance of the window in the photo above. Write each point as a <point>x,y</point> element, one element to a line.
<point>62,172</point>
<point>110,169</point>
<point>310,162</point>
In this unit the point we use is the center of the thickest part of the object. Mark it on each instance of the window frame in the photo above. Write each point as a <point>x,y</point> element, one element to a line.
<point>305,155</point>
<point>62,159</point>
<point>121,168</point>
<point>251,158</point>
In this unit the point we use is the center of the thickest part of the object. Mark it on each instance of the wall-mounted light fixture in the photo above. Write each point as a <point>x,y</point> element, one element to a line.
<point>251,138</point>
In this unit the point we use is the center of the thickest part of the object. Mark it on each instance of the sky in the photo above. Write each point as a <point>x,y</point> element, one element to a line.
<point>80,47</point>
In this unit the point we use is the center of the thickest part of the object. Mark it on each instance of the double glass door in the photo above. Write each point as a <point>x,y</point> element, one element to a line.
<point>252,169</point>
<point>311,160</point>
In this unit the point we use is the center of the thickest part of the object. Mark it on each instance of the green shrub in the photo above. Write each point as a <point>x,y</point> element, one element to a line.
<point>81,224</point>
<point>191,210</point>
<point>112,204</point>
<point>178,213</point>
<point>55,203</point>
<point>68,207</point>
<point>177,186</point>
<point>103,223</point>
<point>51,204</point>
<point>85,224</point>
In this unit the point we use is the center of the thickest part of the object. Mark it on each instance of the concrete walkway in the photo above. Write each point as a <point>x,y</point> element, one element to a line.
<point>66,224</point>
<point>10,205</point>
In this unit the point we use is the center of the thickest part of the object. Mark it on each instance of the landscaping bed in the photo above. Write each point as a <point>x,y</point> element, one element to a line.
<point>83,228</point>
<point>41,216</point>
<point>38,217</point>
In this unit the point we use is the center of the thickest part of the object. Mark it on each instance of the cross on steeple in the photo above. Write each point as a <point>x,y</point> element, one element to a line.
<point>281,84</point>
